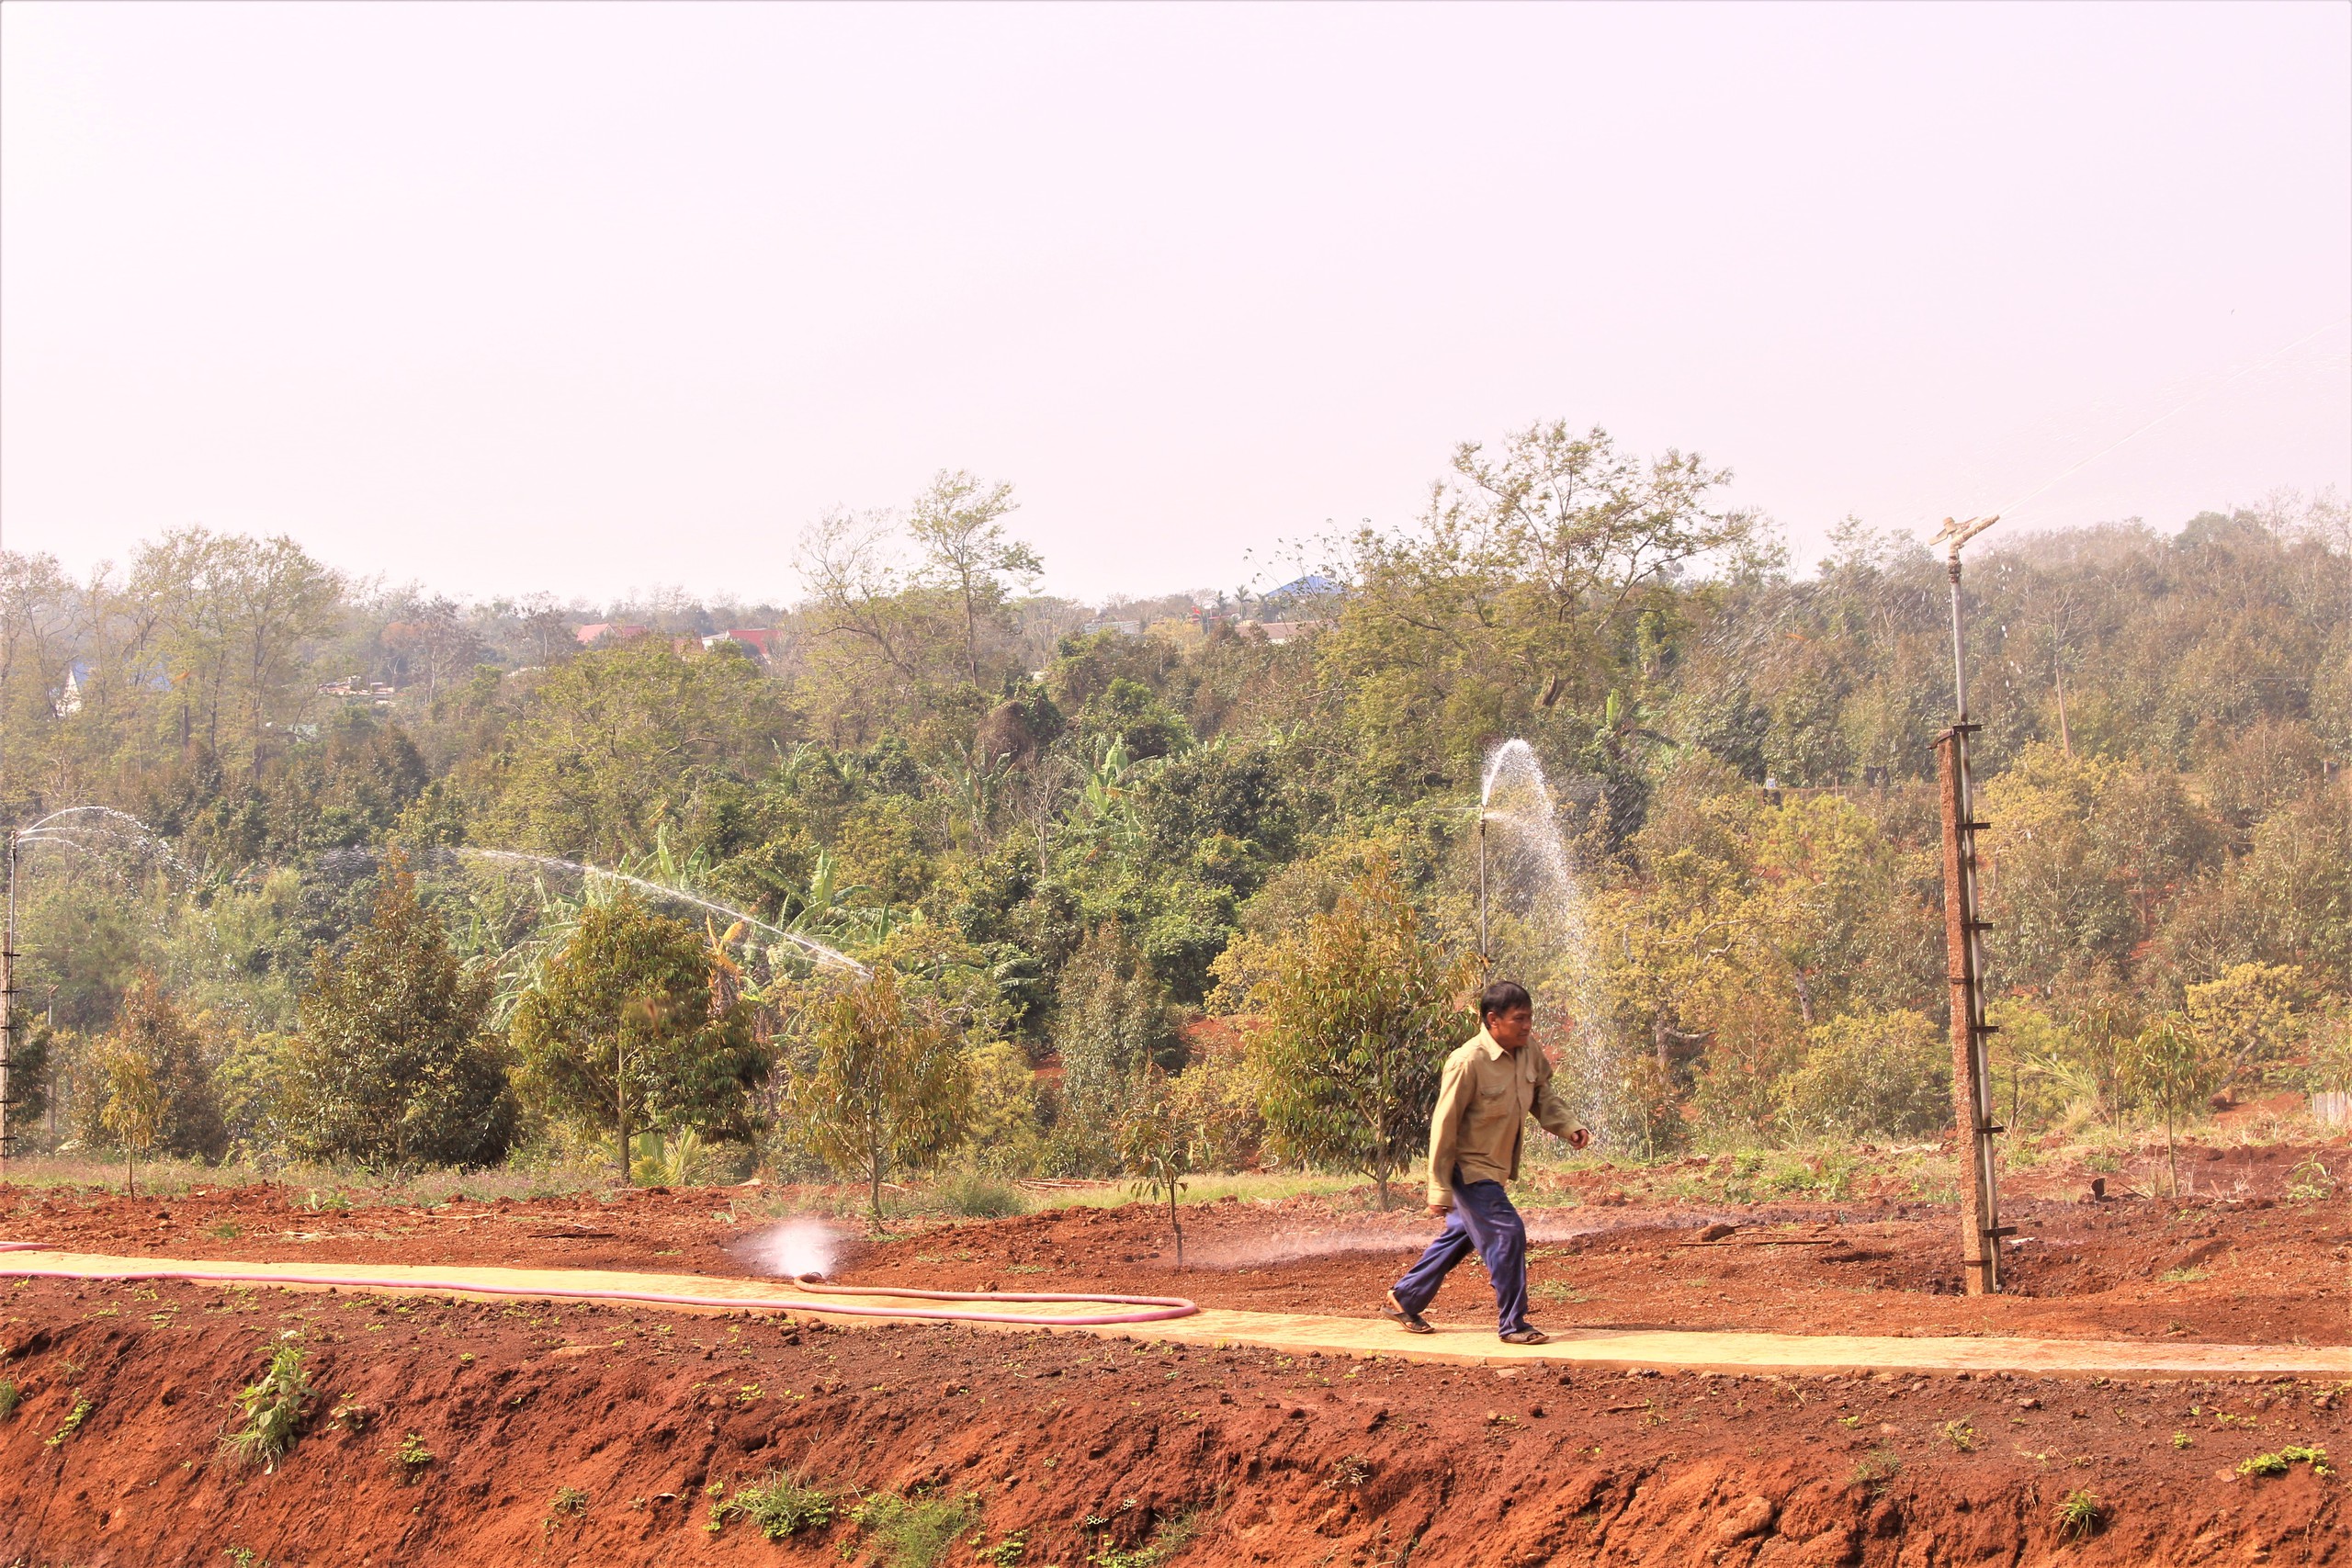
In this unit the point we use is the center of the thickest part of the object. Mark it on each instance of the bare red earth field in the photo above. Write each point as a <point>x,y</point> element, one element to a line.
<point>1086,1449</point>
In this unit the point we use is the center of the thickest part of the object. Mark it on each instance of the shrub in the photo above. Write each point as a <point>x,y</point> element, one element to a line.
<point>977,1197</point>
<point>273,1410</point>
<point>911,1533</point>
<point>779,1506</point>
<point>1886,1073</point>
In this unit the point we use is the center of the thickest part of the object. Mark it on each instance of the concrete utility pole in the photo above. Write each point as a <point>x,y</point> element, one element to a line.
<point>1972,1080</point>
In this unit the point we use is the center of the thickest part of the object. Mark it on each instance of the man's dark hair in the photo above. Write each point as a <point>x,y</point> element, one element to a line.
<point>1501,996</point>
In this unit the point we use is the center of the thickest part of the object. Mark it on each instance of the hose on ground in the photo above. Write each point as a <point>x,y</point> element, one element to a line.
<point>1153,1309</point>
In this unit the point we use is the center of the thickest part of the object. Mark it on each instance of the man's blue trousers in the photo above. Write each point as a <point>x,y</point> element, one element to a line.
<point>1482,1217</point>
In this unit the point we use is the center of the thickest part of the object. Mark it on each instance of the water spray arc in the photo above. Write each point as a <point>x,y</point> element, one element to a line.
<point>1972,1087</point>
<point>1522,851</point>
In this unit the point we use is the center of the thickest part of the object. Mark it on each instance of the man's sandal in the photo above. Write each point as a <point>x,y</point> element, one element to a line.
<point>1526,1336</point>
<point>1410,1321</point>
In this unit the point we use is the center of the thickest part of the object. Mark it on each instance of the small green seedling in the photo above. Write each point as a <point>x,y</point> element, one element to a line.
<point>2079,1516</point>
<point>1960,1435</point>
<point>2183,1441</point>
<point>73,1419</point>
<point>10,1394</point>
<point>413,1456</point>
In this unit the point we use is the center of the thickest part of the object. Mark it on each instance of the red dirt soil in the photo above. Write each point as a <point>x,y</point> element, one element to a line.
<point>1082,1445</point>
<point>1270,1458</point>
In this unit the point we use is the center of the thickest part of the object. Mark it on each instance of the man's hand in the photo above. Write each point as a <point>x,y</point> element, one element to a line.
<point>1437,1211</point>
<point>1579,1138</point>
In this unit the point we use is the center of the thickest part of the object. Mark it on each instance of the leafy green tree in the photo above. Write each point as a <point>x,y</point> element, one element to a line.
<point>1888,1074</point>
<point>955,524</point>
<point>132,1108</point>
<point>2173,1070</point>
<point>888,1083</point>
<point>609,747</point>
<point>1114,1018</point>
<point>1355,1016</point>
<point>151,1031</point>
<point>1153,1149</point>
<point>624,1028</point>
<point>395,1065</point>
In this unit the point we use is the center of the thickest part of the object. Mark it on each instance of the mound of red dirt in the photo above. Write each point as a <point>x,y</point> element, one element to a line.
<point>465,1433</point>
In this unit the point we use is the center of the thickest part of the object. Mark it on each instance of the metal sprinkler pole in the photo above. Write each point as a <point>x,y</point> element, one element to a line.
<point>1972,1080</point>
<point>1486,964</point>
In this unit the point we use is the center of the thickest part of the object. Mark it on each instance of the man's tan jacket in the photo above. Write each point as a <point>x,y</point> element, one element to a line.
<point>1483,1102</point>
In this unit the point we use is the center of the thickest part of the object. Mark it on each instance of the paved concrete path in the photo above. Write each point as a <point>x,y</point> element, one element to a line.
<point>1597,1348</point>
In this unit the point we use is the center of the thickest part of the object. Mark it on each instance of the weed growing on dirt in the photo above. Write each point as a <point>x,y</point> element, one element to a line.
<point>1349,1473</point>
<point>1168,1538</point>
<point>2079,1516</point>
<point>2183,1441</point>
<point>2181,1276</point>
<point>1877,1468</point>
<point>73,1419</point>
<point>780,1505</point>
<point>1960,1435</point>
<point>2279,1463</point>
<point>413,1456</point>
<point>2309,1182</point>
<point>224,1230</point>
<point>905,1532</point>
<point>273,1410</point>
<point>9,1396</point>
<point>1005,1553</point>
<point>569,1502</point>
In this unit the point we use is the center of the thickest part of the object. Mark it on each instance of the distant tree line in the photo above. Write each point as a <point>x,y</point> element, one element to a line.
<point>1102,885</point>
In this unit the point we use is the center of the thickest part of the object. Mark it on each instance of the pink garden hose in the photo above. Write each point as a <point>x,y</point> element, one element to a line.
<point>1157,1308</point>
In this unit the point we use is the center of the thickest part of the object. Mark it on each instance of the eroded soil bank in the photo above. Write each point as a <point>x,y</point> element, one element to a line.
<point>599,1434</point>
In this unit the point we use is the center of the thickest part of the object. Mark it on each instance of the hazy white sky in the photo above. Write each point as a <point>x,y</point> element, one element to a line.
<point>583,298</point>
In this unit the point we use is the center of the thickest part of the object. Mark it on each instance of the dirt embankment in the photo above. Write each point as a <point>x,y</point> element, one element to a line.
<point>597,1435</point>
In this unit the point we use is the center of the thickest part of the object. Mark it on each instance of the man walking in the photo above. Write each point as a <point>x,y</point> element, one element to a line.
<point>1482,1100</point>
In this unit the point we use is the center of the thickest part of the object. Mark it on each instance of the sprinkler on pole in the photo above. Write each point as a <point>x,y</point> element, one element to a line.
<point>1485,961</point>
<point>1972,1088</point>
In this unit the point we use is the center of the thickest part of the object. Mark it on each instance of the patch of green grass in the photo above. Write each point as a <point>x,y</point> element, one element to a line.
<point>2181,1276</point>
<point>909,1532</point>
<point>273,1410</point>
<point>10,1395</point>
<point>972,1196</point>
<point>1557,1291</point>
<point>2286,1459</point>
<point>2080,1514</point>
<point>224,1230</point>
<point>1877,1468</point>
<point>1960,1435</point>
<point>778,1506</point>
<point>73,1419</point>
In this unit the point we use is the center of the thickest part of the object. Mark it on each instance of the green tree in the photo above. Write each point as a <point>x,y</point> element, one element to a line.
<point>625,1029</point>
<point>2173,1070</point>
<point>955,524</point>
<point>613,745</point>
<point>147,1028</point>
<point>888,1083</point>
<point>1356,1014</point>
<point>1153,1149</point>
<point>133,1110</point>
<point>1888,1074</point>
<point>395,1065</point>
<point>1114,1019</point>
